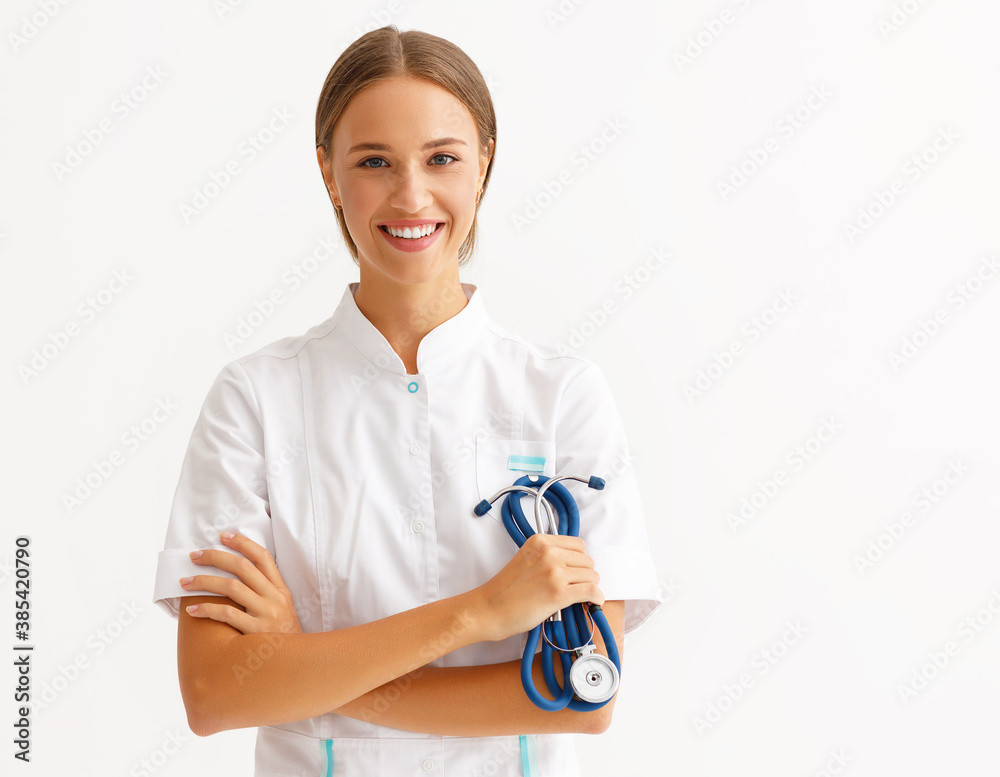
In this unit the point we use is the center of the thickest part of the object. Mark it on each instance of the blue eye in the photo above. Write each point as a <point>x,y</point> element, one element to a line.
<point>364,162</point>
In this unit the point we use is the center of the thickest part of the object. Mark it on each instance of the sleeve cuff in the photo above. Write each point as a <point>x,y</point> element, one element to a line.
<point>175,563</point>
<point>628,574</point>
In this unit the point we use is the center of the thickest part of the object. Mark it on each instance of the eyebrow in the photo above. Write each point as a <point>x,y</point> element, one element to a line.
<point>383,147</point>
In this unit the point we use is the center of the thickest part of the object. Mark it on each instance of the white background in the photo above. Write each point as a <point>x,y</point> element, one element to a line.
<point>697,91</point>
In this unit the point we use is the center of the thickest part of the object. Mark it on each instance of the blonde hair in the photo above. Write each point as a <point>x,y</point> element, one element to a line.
<point>386,53</point>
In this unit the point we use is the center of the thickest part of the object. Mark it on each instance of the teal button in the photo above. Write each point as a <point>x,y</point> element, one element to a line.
<point>413,387</point>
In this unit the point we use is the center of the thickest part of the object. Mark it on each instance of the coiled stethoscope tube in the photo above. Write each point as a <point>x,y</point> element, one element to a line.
<point>592,677</point>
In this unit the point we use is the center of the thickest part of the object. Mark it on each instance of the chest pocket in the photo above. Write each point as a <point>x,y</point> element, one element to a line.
<point>500,462</point>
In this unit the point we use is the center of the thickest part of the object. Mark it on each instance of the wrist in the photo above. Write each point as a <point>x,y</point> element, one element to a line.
<point>472,617</point>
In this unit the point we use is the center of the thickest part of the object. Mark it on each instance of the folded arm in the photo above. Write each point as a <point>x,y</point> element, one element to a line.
<point>486,700</point>
<point>236,672</point>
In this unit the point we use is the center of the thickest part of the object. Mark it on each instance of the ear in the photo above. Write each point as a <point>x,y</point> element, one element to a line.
<point>331,184</point>
<point>484,163</point>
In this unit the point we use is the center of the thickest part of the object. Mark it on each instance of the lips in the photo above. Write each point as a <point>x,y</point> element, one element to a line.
<point>412,243</point>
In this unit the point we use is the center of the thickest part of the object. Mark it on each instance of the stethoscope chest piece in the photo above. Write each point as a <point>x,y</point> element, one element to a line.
<point>594,677</point>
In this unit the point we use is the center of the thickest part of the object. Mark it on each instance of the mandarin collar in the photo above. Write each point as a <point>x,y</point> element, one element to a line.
<point>448,341</point>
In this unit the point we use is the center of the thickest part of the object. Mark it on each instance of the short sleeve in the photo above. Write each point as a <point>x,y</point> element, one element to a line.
<point>591,440</point>
<point>222,487</point>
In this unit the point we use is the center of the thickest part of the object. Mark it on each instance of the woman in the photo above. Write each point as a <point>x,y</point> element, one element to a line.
<point>347,601</point>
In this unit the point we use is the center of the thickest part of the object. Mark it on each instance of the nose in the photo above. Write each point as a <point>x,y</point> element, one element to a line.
<point>410,191</point>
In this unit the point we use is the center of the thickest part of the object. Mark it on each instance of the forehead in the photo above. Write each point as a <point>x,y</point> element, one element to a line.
<point>404,113</point>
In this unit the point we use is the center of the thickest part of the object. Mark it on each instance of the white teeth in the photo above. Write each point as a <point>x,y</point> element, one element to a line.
<point>415,232</point>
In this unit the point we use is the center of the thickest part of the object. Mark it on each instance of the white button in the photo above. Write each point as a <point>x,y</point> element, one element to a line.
<point>418,527</point>
<point>428,765</point>
<point>414,449</point>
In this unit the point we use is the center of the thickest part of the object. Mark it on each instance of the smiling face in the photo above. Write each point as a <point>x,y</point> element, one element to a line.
<point>405,153</point>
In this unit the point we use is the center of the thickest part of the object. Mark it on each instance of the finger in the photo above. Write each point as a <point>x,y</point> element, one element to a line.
<point>225,586</point>
<point>561,541</point>
<point>578,559</point>
<point>588,592</point>
<point>238,565</point>
<point>566,556</point>
<point>580,576</point>
<point>223,613</point>
<point>258,554</point>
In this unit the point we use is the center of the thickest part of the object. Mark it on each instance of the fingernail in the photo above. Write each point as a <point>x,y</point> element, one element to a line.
<point>227,535</point>
<point>191,607</point>
<point>196,554</point>
<point>186,580</point>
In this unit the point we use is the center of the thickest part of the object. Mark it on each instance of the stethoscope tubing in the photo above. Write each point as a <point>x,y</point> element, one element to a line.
<point>566,632</point>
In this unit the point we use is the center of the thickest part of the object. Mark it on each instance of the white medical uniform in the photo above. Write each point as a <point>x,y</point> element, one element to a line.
<point>361,480</point>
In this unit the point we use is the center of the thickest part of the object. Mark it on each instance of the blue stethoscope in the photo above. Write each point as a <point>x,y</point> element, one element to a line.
<point>593,678</point>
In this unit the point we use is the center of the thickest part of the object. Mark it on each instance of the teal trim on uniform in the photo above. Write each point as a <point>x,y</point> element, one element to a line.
<point>413,387</point>
<point>328,745</point>
<point>529,762</point>
<point>526,463</point>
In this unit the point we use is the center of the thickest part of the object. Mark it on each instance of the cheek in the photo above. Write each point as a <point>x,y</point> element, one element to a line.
<point>361,201</point>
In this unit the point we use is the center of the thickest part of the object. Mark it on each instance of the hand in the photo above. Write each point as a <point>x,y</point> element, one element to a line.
<point>548,573</point>
<point>267,603</point>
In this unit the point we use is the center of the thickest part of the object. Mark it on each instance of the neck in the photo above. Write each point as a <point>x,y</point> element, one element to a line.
<point>404,313</point>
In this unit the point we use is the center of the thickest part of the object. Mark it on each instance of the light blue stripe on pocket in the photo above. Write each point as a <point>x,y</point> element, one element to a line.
<point>526,463</point>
